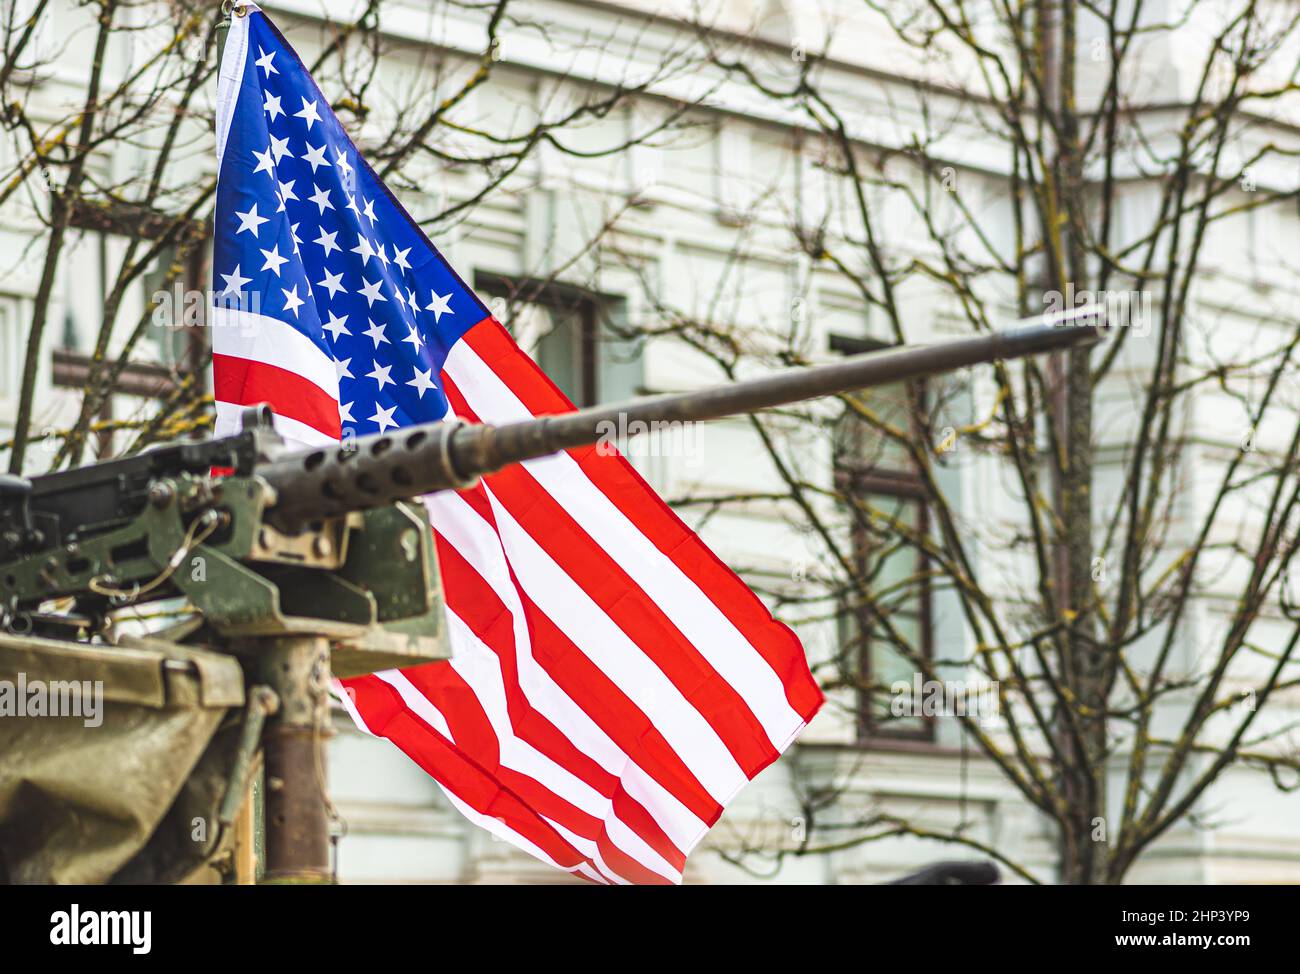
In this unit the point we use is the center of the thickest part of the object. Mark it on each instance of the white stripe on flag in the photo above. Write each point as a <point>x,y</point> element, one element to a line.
<point>419,704</point>
<point>499,829</point>
<point>229,80</point>
<point>474,539</point>
<point>270,341</point>
<point>294,432</point>
<point>481,671</point>
<point>696,616</point>
<point>575,613</point>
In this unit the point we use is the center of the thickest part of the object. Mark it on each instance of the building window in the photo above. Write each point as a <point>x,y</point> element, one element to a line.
<point>884,501</point>
<point>176,336</point>
<point>573,334</point>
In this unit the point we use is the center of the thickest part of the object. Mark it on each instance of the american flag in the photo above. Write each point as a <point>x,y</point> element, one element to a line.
<point>614,684</point>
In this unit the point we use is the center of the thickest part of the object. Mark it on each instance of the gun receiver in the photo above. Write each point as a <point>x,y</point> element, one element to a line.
<point>58,509</point>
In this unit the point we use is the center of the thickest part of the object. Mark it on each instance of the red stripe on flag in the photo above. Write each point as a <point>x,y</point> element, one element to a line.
<point>473,733</point>
<point>245,382</point>
<point>388,716</point>
<point>473,600</point>
<point>620,598</point>
<point>626,866</point>
<point>626,490</point>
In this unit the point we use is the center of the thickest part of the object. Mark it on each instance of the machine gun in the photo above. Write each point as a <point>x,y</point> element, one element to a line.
<point>293,567</point>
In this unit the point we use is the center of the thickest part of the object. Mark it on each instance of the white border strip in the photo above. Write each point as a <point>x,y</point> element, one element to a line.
<point>231,76</point>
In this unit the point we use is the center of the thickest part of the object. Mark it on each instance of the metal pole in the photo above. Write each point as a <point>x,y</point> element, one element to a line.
<point>296,818</point>
<point>513,442</point>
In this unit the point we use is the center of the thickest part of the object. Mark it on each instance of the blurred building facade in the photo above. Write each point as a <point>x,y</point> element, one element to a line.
<point>700,218</point>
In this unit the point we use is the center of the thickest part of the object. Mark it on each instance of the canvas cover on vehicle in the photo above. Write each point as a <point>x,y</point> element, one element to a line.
<point>113,759</point>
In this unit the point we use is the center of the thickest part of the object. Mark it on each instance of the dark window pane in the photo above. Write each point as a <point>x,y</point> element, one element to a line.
<point>559,350</point>
<point>568,333</point>
<point>861,442</point>
<point>882,495</point>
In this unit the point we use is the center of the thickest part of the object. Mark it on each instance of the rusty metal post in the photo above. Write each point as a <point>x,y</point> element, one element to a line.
<point>296,818</point>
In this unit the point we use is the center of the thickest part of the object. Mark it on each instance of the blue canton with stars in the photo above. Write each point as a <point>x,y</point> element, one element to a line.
<point>306,229</point>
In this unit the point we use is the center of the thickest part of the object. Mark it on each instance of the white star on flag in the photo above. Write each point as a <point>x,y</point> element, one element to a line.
<point>380,375</point>
<point>363,248</point>
<point>265,163</point>
<point>286,194</point>
<point>376,333</point>
<point>439,304</point>
<point>370,291</point>
<point>291,300</point>
<point>336,326</point>
<point>321,198</point>
<point>234,282</point>
<point>384,417</point>
<point>326,240</point>
<point>423,381</point>
<point>333,283</point>
<point>280,148</point>
<point>249,220</point>
<point>308,113</point>
<point>273,260</point>
<point>315,157</point>
<point>264,62</point>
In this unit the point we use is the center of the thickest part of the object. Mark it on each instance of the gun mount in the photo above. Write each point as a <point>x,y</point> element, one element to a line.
<point>279,570</point>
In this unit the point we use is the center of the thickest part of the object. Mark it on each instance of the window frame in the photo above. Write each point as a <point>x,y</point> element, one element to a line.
<point>905,485</point>
<point>561,297</point>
